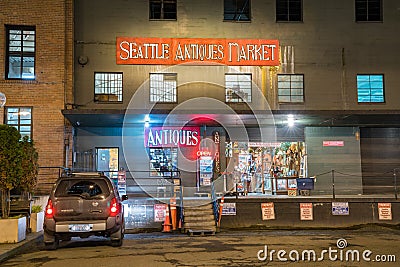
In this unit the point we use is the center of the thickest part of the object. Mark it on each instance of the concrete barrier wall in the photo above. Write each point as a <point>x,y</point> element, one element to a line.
<point>287,213</point>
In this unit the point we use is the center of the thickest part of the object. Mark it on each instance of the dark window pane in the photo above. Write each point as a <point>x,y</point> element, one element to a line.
<point>237,10</point>
<point>162,9</point>
<point>289,10</point>
<point>368,10</point>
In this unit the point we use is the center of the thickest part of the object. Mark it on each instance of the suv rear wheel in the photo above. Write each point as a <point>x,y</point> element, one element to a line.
<point>117,238</point>
<point>50,242</point>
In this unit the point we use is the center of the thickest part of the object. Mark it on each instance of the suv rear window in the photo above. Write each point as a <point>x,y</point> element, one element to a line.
<point>83,188</point>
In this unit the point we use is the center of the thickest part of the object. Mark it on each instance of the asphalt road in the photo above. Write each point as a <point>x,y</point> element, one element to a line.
<point>368,246</point>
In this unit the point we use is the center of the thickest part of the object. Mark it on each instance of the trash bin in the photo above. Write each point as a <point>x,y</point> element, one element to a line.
<point>305,185</point>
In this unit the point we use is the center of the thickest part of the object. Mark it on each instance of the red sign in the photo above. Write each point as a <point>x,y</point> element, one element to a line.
<point>172,51</point>
<point>333,143</point>
<point>172,137</point>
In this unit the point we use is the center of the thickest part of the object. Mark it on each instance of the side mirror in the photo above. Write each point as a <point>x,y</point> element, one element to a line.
<point>124,197</point>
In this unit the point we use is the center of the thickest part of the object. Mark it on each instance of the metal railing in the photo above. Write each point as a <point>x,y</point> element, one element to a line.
<point>215,204</point>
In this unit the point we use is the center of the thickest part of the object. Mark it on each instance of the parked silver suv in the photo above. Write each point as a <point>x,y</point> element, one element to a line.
<point>82,205</point>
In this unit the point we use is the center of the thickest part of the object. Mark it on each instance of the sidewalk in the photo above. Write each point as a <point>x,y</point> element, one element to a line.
<point>10,250</point>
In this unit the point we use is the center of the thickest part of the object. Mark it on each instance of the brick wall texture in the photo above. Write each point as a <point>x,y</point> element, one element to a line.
<point>52,88</point>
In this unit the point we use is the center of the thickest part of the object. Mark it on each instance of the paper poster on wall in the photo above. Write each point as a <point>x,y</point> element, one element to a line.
<point>229,209</point>
<point>340,208</point>
<point>306,212</point>
<point>385,211</point>
<point>267,211</point>
<point>159,212</point>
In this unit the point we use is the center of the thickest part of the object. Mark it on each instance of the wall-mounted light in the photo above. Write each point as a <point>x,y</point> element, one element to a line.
<point>290,120</point>
<point>147,120</point>
<point>357,135</point>
<point>3,99</point>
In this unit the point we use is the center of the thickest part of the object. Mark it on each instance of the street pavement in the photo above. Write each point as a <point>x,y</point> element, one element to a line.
<point>227,248</point>
<point>9,250</point>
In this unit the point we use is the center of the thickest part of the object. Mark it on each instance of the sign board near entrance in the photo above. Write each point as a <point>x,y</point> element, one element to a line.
<point>173,51</point>
<point>306,211</point>
<point>229,209</point>
<point>385,211</point>
<point>159,212</point>
<point>340,208</point>
<point>268,211</point>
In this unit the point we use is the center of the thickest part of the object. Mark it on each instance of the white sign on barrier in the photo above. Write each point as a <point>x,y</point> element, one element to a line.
<point>159,212</point>
<point>268,211</point>
<point>306,212</point>
<point>385,211</point>
<point>229,209</point>
<point>340,208</point>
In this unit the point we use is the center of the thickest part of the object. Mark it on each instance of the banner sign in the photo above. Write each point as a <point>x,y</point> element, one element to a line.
<point>306,211</point>
<point>172,136</point>
<point>217,161</point>
<point>385,211</point>
<point>172,51</point>
<point>268,211</point>
<point>340,208</point>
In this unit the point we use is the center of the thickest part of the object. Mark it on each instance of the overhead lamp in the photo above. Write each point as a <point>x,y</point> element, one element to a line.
<point>290,120</point>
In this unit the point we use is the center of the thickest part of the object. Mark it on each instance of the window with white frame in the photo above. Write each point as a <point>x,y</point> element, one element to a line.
<point>370,88</point>
<point>107,87</point>
<point>237,10</point>
<point>238,87</point>
<point>163,87</point>
<point>290,88</point>
<point>20,118</point>
<point>20,52</point>
<point>162,9</point>
<point>289,10</point>
<point>368,10</point>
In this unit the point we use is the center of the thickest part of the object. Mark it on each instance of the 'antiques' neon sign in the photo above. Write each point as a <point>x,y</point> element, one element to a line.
<point>172,137</point>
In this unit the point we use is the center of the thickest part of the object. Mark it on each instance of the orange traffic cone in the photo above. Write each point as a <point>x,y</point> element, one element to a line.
<point>167,222</point>
<point>172,203</point>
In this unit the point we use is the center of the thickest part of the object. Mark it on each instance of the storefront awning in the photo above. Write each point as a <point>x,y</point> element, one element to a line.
<point>117,117</point>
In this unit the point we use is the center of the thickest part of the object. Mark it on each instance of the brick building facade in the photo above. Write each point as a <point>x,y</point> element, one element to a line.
<point>50,88</point>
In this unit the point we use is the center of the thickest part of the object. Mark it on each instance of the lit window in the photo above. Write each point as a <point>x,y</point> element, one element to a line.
<point>370,88</point>
<point>20,118</point>
<point>20,52</point>
<point>163,9</point>
<point>238,87</point>
<point>107,87</point>
<point>368,10</point>
<point>163,161</point>
<point>289,10</point>
<point>291,88</point>
<point>237,10</point>
<point>163,87</point>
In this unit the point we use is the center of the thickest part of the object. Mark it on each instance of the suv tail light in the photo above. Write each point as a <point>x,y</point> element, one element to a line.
<point>114,207</point>
<point>49,209</point>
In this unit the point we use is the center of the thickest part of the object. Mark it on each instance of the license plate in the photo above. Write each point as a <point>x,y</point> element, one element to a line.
<point>80,227</point>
